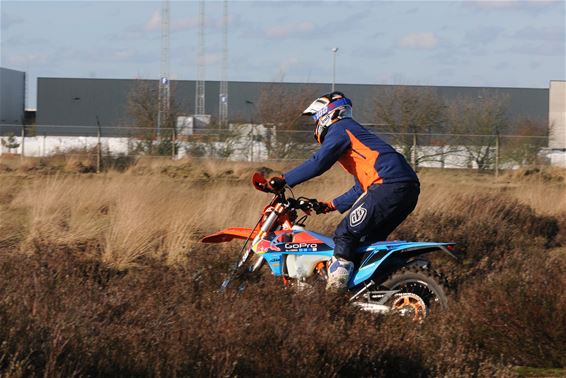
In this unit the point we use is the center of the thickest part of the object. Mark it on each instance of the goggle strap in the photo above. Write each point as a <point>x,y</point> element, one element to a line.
<point>333,105</point>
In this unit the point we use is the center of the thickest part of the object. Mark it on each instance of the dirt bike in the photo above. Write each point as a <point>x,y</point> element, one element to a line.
<point>389,275</point>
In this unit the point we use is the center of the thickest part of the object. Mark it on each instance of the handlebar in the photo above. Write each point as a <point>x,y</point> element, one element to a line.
<point>306,204</point>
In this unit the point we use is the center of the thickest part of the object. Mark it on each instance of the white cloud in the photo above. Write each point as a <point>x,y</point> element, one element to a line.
<point>184,23</point>
<point>193,22</point>
<point>154,23</point>
<point>287,30</point>
<point>424,40</point>
<point>27,59</point>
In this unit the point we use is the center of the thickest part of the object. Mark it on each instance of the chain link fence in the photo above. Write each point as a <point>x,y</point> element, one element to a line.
<point>251,142</point>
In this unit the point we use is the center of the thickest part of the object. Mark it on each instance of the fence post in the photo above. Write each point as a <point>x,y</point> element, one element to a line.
<point>98,146</point>
<point>173,140</point>
<point>252,144</point>
<point>23,142</point>
<point>497,153</point>
<point>414,151</point>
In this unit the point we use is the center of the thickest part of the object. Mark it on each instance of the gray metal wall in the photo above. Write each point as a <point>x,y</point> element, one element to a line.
<point>77,102</point>
<point>12,100</point>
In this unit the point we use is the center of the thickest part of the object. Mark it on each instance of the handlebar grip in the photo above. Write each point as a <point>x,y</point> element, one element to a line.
<point>277,184</point>
<point>317,207</point>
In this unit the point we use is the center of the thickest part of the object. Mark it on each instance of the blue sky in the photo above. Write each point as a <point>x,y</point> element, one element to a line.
<point>508,43</point>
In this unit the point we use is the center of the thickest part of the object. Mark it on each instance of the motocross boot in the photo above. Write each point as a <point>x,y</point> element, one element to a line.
<point>339,273</point>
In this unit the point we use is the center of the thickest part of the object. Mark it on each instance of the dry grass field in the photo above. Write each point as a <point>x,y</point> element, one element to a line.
<point>105,275</point>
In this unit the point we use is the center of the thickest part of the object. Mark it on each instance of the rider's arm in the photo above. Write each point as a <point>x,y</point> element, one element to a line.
<point>335,144</point>
<point>346,200</point>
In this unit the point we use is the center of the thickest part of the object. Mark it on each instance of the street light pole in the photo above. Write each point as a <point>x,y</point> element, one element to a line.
<point>334,51</point>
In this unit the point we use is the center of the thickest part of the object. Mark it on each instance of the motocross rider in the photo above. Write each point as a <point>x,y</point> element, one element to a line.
<point>386,188</point>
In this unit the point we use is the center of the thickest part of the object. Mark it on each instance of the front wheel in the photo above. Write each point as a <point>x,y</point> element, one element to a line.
<point>245,268</point>
<point>420,290</point>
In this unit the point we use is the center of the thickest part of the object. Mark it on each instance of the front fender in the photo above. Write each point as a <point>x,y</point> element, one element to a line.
<point>229,234</point>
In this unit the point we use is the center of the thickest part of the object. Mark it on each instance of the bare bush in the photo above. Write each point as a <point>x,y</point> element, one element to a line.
<point>483,118</point>
<point>104,276</point>
<point>78,317</point>
<point>280,109</point>
<point>142,109</point>
<point>407,111</point>
<point>485,226</point>
<point>517,311</point>
<point>524,147</point>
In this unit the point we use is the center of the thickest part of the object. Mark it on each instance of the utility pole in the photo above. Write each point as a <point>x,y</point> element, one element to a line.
<point>223,96</point>
<point>199,96</point>
<point>164,85</point>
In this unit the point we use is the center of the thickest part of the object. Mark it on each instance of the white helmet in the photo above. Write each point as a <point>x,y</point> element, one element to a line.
<point>326,110</point>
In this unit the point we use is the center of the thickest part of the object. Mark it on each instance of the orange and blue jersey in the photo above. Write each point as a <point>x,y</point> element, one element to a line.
<point>363,154</point>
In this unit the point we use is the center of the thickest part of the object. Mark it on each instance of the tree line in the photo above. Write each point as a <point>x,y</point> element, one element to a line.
<point>408,117</point>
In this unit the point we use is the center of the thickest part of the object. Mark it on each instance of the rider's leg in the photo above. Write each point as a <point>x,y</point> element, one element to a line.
<point>375,216</point>
<point>407,201</point>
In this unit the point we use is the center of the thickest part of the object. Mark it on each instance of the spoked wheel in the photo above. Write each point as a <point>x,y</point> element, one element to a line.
<point>420,291</point>
<point>409,304</point>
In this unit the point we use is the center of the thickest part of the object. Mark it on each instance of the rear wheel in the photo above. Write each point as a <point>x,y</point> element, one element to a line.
<point>420,292</point>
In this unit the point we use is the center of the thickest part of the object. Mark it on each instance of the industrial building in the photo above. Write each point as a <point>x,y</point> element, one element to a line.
<point>75,107</point>
<point>78,102</point>
<point>12,100</point>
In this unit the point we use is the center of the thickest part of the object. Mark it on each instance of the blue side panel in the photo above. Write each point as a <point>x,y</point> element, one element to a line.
<point>327,240</point>
<point>275,261</point>
<point>386,249</point>
<point>381,251</point>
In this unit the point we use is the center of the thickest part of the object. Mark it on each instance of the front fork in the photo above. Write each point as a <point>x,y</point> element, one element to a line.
<point>265,228</point>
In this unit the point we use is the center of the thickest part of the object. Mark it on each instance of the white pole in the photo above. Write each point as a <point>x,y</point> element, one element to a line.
<point>334,51</point>
<point>23,141</point>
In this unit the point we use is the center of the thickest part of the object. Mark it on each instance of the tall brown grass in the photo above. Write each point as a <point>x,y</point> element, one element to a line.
<point>104,275</point>
<point>158,211</point>
<point>130,218</point>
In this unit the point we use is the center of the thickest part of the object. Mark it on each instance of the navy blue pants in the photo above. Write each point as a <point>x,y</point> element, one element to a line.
<point>374,216</point>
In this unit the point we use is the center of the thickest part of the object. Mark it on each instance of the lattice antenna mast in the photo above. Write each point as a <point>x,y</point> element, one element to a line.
<point>164,85</point>
<point>223,97</point>
<point>199,106</point>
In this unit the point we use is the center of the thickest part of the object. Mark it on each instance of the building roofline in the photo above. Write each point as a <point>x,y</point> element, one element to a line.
<point>309,83</point>
<point>11,69</point>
